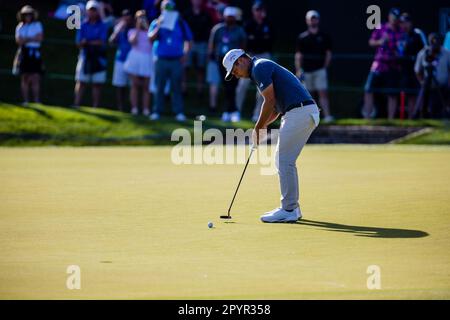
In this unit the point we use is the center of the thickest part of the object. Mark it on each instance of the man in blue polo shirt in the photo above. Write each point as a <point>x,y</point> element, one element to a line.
<point>91,66</point>
<point>171,47</point>
<point>283,94</point>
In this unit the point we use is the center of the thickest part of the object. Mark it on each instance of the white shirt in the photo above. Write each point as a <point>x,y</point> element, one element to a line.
<point>29,30</point>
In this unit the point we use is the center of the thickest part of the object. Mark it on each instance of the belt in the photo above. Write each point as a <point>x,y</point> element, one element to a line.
<point>298,105</point>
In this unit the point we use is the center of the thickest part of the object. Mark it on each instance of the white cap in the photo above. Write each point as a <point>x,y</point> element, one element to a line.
<point>311,14</point>
<point>229,60</point>
<point>92,4</point>
<point>231,12</point>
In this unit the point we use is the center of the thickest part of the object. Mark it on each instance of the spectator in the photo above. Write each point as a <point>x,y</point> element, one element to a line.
<point>200,23</point>
<point>312,59</point>
<point>172,45</point>
<point>432,69</point>
<point>91,67</point>
<point>28,60</point>
<point>213,77</point>
<point>384,73</point>
<point>409,46</point>
<point>120,37</point>
<point>139,64</point>
<point>259,44</point>
<point>224,37</point>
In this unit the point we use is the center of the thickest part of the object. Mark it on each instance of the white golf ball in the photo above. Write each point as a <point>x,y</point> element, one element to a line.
<point>210,224</point>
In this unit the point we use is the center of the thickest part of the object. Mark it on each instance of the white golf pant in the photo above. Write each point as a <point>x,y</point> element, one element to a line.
<point>296,127</point>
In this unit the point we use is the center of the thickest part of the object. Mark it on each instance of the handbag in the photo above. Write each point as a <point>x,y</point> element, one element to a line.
<point>17,61</point>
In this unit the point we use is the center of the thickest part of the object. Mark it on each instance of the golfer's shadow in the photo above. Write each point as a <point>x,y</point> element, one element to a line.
<point>370,232</point>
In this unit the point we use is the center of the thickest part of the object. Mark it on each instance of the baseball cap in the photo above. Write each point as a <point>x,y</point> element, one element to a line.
<point>231,12</point>
<point>229,60</point>
<point>26,9</point>
<point>312,14</point>
<point>91,4</point>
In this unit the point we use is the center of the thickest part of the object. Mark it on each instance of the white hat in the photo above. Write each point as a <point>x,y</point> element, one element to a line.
<point>92,4</point>
<point>231,12</point>
<point>229,60</point>
<point>312,14</point>
<point>26,9</point>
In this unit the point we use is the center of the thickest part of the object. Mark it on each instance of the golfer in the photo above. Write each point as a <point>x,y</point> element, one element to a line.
<point>283,94</point>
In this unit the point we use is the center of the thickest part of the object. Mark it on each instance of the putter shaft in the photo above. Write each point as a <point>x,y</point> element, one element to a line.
<point>240,180</point>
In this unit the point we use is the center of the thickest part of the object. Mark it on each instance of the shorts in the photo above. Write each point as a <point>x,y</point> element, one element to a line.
<point>97,77</point>
<point>383,82</point>
<point>316,80</point>
<point>198,56</point>
<point>213,73</point>
<point>139,64</point>
<point>30,61</point>
<point>120,77</point>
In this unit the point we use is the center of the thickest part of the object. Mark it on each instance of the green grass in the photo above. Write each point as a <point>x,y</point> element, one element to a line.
<point>50,125</point>
<point>40,125</point>
<point>136,224</point>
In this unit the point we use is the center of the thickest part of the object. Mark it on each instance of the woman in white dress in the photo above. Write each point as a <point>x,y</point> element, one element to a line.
<point>139,64</point>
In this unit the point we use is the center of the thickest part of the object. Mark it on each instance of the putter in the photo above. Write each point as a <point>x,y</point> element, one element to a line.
<point>228,216</point>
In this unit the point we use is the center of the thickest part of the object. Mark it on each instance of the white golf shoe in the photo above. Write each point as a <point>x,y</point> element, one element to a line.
<point>235,116</point>
<point>180,117</point>
<point>280,215</point>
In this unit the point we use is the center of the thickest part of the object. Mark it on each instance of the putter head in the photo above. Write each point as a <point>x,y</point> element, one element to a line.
<point>225,217</point>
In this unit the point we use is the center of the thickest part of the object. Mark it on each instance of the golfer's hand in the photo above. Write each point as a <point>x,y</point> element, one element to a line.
<point>258,135</point>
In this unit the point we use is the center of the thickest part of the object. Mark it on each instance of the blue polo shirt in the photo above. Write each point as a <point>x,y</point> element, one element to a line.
<point>92,31</point>
<point>170,43</point>
<point>288,88</point>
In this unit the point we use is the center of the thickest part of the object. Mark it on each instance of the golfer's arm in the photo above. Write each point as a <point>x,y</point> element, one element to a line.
<point>272,118</point>
<point>268,108</point>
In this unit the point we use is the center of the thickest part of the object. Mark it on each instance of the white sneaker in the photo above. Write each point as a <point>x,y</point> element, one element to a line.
<point>280,215</point>
<point>328,119</point>
<point>154,116</point>
<point>134,111</point>
<point>146,112</point>
<point>180,117</point>
<point>226,117</point>
<point>235,116</point>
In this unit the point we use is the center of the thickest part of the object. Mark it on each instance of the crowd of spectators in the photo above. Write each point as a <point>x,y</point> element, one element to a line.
<point>158,48</point>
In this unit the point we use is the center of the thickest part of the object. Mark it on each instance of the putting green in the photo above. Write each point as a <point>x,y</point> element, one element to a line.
<point>136,225</point>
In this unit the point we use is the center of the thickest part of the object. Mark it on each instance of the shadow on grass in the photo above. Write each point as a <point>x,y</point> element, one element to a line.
<point>370,232</point>
<point>39,111</point>
<point>105,117</point>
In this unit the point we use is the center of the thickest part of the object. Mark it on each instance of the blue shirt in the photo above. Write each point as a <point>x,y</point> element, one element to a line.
<point>170,43</point>
<point>123,46</point>
<point>91,32</point>
<point>288,88</point>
